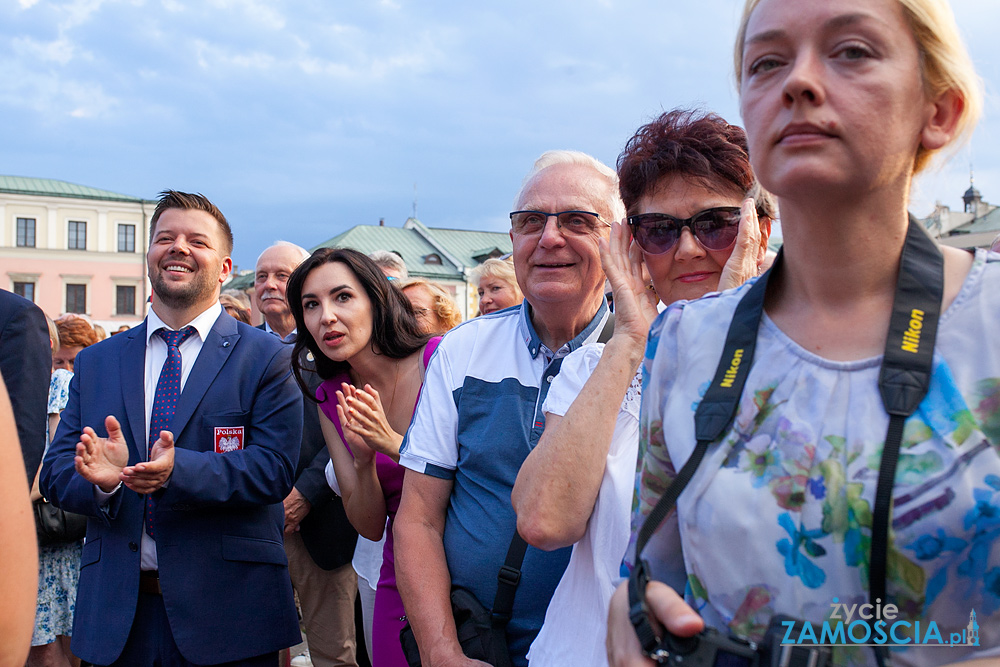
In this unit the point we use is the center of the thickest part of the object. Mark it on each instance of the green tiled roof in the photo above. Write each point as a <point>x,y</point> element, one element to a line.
<point>406,243</point>
<point>414,248</point>
<point>242,283</point>
<point>466,244</point>
<point>410,244</point>
<point>987,223</point>
<point>23,185</point>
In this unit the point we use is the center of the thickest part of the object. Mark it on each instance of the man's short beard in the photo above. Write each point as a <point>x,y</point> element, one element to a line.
<point>181,297</point>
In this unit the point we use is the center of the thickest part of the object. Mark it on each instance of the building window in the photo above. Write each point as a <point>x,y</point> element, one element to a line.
<point>432,258</point>
<point>27,290</point>
<point>76,298</point>
<point>126,238</point>
<point>77,236</point>
<point>125,299</point>
<point>25,232</point>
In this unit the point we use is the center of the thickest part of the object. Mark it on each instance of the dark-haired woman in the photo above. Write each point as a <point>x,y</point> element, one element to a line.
<point>371,355</point>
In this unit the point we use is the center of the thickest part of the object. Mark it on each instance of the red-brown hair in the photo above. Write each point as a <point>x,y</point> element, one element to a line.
<point>75,332</point>
<point>695,145</point>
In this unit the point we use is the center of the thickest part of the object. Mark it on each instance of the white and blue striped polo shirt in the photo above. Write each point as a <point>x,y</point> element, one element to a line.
<point>478,417</point>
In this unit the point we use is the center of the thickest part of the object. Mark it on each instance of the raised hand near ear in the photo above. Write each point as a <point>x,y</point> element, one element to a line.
<point>744,263</point>
<point>101,460</point>
<point>635,303</point>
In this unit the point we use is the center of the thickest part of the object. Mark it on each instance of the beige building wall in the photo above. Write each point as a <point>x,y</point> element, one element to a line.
<point>51,265</point>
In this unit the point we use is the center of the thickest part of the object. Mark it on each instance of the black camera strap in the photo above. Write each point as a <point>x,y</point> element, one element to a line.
<point>904,379</point>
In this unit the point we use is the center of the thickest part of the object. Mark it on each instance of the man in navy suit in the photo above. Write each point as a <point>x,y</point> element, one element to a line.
<point>319,538</point>
<point>184,563</point>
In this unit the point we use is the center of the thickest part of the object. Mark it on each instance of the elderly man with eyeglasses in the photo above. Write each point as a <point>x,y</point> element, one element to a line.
<point>480,414</point>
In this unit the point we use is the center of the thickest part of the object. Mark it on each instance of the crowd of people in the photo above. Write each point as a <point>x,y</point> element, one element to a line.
<point>653,427</point>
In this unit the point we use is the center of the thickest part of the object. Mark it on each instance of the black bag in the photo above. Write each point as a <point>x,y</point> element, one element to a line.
<point>479,639</point>
<point>481,632</point>
<point>53,526</point>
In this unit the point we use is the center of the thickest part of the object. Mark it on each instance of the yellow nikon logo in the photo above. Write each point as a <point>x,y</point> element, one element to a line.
<point>911,337</point>
<point>734,366</point>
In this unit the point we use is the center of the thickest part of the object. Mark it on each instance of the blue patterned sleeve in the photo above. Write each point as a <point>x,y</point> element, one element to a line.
<point>59,391</point>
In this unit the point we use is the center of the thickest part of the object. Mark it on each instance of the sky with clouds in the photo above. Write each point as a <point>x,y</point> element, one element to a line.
<point>303,118</point>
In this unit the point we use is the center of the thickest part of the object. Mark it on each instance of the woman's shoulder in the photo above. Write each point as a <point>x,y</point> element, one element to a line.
<point>980,290</point>
<point>328,388</point>
<point>61,376</point>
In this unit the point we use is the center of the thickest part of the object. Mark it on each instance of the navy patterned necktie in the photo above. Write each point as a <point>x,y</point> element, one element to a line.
<point>168,391</point>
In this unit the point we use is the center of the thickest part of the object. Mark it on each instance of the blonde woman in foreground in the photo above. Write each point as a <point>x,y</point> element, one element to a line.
<point>843,101</point>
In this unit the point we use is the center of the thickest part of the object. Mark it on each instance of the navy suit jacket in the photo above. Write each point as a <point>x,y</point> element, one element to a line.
<point>218,521</point>
<point>26,366</point>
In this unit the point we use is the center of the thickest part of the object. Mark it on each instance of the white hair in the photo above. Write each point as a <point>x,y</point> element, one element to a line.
<point>615,207</point>
<point>303,253</point>
<point>386,259</point>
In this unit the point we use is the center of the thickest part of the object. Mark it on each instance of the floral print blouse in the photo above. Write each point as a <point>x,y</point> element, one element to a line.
<point>777,519</point>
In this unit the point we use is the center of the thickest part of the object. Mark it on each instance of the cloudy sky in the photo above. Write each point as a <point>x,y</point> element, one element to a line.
<point>302,118</point>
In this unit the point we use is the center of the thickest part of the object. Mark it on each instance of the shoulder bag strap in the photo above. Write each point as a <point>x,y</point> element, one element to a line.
<point>507,581</point>
<point>609,329</point>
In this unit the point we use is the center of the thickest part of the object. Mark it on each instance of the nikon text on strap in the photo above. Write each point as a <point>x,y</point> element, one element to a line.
<point>904,379</point>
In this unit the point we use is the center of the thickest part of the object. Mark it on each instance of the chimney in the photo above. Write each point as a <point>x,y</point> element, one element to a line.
<point>381,222</point>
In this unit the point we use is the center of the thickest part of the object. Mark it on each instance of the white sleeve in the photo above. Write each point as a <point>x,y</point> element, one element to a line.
<point>331,477</point>
<point>576,369</point>
<point>430,445</point>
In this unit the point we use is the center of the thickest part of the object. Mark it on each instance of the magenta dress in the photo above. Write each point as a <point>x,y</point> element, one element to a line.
<point>388,617</point>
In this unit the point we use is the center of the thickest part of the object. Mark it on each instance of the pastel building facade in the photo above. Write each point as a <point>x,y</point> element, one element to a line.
<point>75,249</point>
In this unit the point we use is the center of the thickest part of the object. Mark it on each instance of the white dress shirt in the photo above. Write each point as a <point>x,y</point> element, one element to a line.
<point>156,355</point>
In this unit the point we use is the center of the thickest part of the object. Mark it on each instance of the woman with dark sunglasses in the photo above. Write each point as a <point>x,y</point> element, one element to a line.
<point>684,180</point>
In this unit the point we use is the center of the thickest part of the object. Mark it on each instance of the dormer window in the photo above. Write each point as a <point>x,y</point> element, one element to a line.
<point>432,258</point>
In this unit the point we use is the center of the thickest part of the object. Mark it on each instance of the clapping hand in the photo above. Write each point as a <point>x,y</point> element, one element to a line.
<point>149,476</point>
<point>748,255</point>
<point>363,417</point>
<point>101,460</point>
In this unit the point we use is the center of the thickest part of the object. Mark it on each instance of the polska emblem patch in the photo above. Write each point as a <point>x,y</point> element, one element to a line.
<point>228,439</point>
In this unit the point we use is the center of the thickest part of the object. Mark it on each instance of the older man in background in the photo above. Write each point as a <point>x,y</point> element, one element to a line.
<point>480,412</point>
<point>319,539</point>
<point>392,265</point>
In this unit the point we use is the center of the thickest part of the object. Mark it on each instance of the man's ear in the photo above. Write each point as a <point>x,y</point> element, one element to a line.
<point>227,268</point>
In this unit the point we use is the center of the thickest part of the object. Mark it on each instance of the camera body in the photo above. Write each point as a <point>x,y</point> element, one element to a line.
<point>711,648</point>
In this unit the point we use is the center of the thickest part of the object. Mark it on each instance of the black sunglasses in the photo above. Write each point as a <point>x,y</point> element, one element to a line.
<point>715,229</point>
